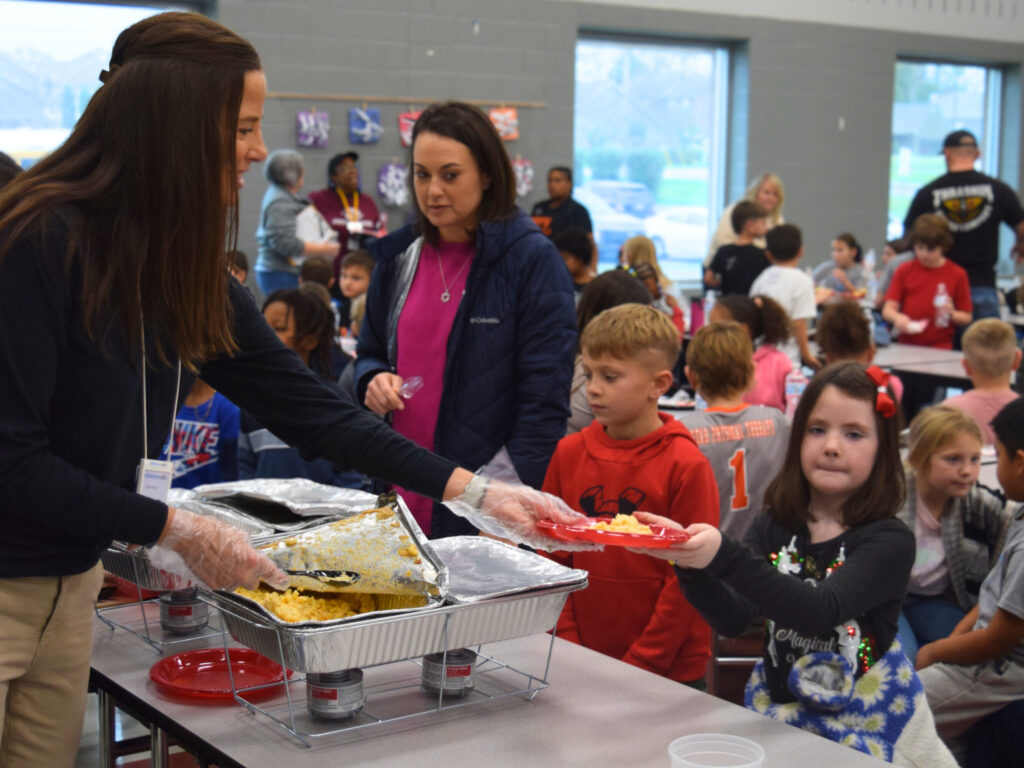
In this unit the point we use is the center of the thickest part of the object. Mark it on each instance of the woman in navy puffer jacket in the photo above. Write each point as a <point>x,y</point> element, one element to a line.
<point>479,305</point>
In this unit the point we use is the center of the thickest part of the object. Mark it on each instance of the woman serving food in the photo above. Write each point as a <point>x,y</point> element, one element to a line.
<point>114,295</point>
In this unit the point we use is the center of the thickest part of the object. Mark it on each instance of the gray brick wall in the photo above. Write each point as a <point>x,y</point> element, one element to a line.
<point>796,81</point>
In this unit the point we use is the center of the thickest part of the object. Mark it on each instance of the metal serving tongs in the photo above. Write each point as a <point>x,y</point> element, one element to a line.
<point>338,577</point>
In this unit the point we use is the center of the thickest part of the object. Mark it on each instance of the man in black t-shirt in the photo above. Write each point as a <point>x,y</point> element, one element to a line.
<point>973,204</point>
<point>560,212</point>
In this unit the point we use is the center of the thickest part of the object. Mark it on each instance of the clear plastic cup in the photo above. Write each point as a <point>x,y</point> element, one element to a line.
<point>715,750</point>
<point>410,387</point>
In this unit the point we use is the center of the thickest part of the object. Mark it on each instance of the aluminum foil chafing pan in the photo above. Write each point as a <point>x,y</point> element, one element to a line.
<point>133,565</point>
<point>529,607</point>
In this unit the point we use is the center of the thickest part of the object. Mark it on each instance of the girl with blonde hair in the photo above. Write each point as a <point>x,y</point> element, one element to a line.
<point>959,526</point>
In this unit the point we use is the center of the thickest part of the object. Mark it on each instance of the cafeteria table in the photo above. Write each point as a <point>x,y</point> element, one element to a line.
<point>597,712</point>
<point>892,355</point>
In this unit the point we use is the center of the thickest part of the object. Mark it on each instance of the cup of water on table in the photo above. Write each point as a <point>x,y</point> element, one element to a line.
<point>715,750</point>
<point>410,387</point>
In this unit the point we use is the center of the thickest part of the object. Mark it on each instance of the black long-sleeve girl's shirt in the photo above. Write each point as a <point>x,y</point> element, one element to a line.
<point>859,576</point>
<point>71,417</point>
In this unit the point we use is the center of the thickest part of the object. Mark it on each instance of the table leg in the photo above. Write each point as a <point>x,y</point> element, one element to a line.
<point>106,717</point>
<point>158,747</point>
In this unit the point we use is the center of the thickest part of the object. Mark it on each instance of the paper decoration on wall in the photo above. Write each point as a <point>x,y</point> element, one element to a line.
<point>364,126</point>
<point>313,128</point>
<point>506,120</point>
<point>524,176</point>
<point>393,184</point>
<point>406,121</point>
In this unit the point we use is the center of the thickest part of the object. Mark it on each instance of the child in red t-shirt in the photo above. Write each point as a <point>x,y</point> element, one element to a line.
<point>930,294</point>
<point>633,458</point>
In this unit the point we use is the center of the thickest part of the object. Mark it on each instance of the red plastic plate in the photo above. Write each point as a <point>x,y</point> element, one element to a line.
<point>203,674</point>
<point>661,538</point>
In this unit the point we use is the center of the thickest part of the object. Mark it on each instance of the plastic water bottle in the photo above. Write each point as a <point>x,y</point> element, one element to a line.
<point>942,314</point>
<point>710,297</point>
<point>871,276</point>
<point>796,383</point>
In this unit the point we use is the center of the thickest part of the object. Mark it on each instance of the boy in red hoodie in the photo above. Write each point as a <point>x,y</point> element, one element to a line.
<point>633,458</point>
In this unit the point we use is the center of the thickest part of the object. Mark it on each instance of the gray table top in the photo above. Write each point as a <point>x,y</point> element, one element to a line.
<point>597,712</point>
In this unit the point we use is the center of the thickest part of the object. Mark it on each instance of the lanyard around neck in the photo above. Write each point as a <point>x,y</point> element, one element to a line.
<point>145,415</point>
<point>351,211</point>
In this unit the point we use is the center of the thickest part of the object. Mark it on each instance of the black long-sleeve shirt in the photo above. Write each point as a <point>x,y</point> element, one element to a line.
<point>71,418</point>
<point>742,583</point>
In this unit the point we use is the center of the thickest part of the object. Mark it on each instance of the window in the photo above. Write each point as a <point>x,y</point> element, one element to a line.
<point>930,101</point>
<point>51,54</point>
<point>657,169</point>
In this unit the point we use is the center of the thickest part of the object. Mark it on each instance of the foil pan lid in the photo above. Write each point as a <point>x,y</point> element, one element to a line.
<point>480,568</point>
<point>286,504</point>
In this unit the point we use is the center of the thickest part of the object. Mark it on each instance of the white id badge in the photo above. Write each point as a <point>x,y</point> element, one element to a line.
<point>155,479</point>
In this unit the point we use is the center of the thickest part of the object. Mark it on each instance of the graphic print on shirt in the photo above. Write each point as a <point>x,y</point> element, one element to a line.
<point>593,503</point>
<point>965,207</point>
<point>195,444</point>
<point>544,222</point>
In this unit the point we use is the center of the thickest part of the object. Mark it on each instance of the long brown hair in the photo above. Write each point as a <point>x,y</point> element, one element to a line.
<point>468,125</point>
<point>788,496</point>
<point>146,184</point>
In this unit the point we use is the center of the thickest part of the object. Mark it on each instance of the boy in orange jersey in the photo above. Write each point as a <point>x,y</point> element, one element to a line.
<point>633,458</point>
<point>744,443</point>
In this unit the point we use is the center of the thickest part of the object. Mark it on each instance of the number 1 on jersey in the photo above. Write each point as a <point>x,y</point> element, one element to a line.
<point>740,500</point>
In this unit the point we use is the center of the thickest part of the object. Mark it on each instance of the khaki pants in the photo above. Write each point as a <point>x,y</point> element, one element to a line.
<point>45,645</point>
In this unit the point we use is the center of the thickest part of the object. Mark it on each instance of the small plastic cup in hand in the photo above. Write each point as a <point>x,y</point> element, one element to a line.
<point>715,750</point>
<point>410,387</point>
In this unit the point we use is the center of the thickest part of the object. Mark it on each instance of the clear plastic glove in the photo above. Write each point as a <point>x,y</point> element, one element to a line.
<point>214,553</point>
<point>916,326</point>
<point>512,512</point>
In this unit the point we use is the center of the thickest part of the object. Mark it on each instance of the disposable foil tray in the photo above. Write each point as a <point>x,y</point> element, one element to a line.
<point>133,565</point>
<point>528,602</point>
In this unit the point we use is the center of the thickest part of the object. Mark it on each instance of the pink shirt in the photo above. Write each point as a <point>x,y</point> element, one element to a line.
<point>982,407</point>
<point>423,330</point>
<point>770,368</point>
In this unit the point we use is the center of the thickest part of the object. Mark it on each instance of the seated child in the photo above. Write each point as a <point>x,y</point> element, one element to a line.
<point>990,358</point>
<point>639,255</point>
<point>844,333</point>
<point>204,442</point>
<point>843,274</point>
<point>304,325</point>
<point>239,265</point>
<point>319,270</point>
<point>356,270</point>
<point>577,251</point>
<point>744,443</point>
<point>979,668</point>
<point>631,458</point>
<point>959,526</point>
<point>929,294</point>
<point>768,326</point>
<point>828,566</point>
<point>791,288</point>
<point>735,267</point>
<point>605,291</point>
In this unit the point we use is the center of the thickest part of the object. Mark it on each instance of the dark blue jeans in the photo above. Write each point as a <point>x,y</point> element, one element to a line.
<point>985,301</point>
<point>272,280</point>
<point>925,620</point>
